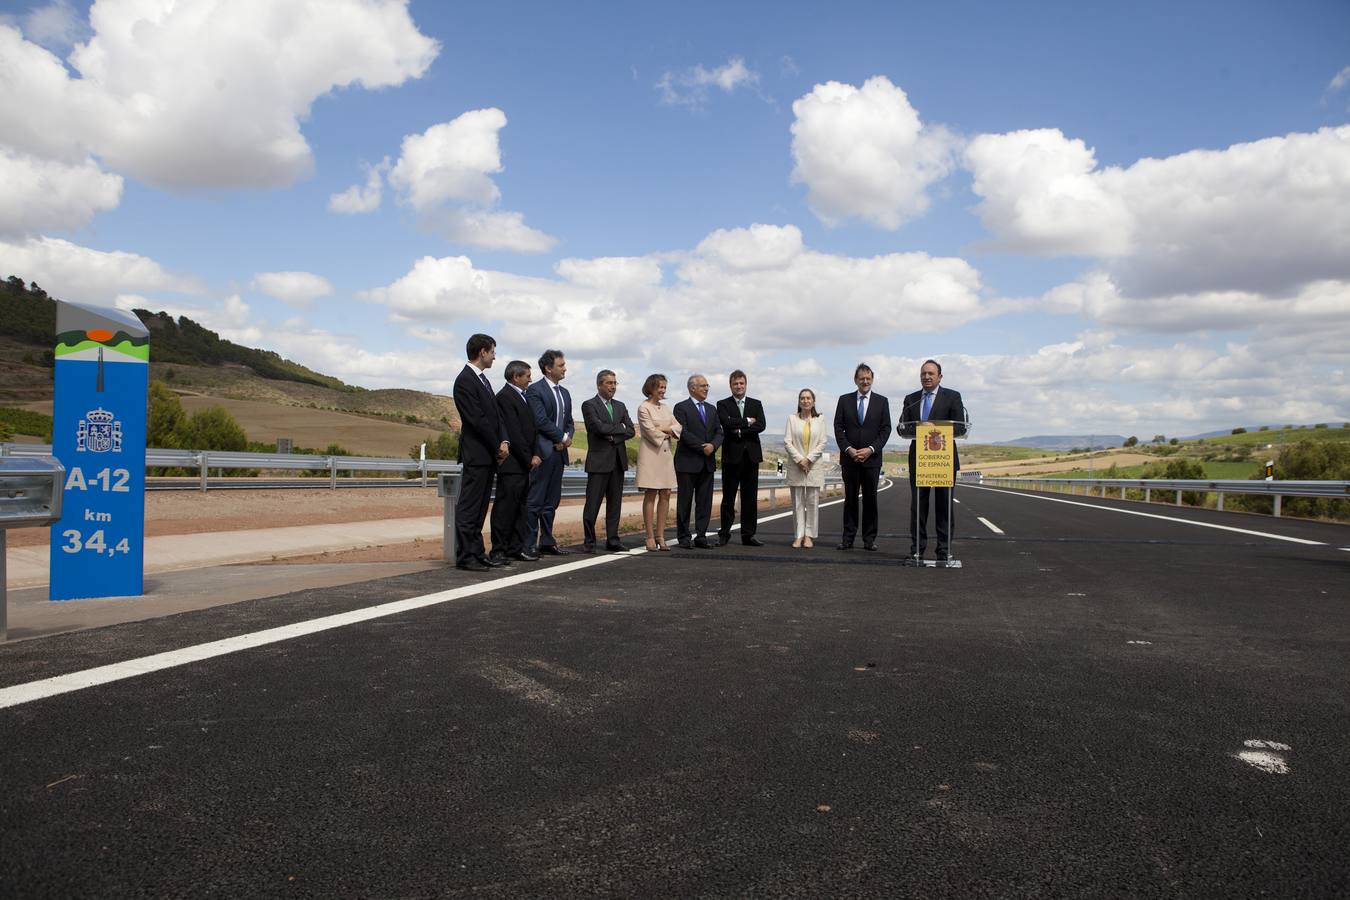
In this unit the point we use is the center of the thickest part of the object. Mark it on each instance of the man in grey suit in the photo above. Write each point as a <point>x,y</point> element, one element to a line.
<point>695,463</point>
<point>552,407</point>
<point>608,428</point>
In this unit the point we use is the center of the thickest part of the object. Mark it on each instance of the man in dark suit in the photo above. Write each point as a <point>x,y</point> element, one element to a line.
<point>482,445</point>
<point>742,420</point>
<point>931,403</point>
<point>695,463</point>
<point>552,407</point>
<point>862,425</point>
<point>513,475</point>
<point>608,428</point>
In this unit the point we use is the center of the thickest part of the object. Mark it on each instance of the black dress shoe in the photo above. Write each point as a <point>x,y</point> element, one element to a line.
<point>553,550</point>
<point>845,545</point>
<point>871,547</point>
<point>615,547</point>
<point>702,544</point>
<point>723,540</point>
<point>526,556</point>
<point>494,562</point>
<point>587,548</point>
<point>752,542</point>
<point>686,544</point>
<point>474,565</point>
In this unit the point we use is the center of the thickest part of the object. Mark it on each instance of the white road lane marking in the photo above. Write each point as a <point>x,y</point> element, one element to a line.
<point>1270,763</point>
<point>1132,512</point>
<point>990,525</point>
<point>1258,744</point>
<point>73,681</point>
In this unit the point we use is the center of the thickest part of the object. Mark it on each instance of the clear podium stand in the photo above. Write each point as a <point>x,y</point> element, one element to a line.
<point>911,428</point>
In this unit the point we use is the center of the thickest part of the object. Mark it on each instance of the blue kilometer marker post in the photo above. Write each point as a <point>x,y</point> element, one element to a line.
<point>98,434</point>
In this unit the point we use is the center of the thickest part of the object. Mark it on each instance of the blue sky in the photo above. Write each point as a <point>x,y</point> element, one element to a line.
<point>1121,218</point>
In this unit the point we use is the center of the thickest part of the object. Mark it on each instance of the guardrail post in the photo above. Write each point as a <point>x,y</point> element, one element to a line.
<point>1147,493</point>
<point>1220,501</point>
<point>424,472</point>
<point>773,499</point>
<point>1178,498</point>
<point>1278,498</point>
<point>202,458</point>
<point>332,472</point>
<point>448,486</point>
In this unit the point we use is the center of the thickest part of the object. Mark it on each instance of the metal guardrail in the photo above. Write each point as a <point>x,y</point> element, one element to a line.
<point>1278,489</point>
<point>426,471</point>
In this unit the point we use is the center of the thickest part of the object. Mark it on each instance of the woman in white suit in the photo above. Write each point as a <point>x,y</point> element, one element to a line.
<point>804,438</point>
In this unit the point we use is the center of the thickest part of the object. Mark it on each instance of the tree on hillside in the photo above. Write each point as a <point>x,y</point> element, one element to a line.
<point>1239,430</point>
<point>166,421</point>
<point>1159,438</point>
<point>214,428</point>
<point>1130,441</point>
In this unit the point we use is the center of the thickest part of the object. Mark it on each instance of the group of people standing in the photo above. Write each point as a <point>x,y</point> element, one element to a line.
<point>520,435</point>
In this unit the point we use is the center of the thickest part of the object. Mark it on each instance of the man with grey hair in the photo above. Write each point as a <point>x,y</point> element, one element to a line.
<point>608,429</point>
<point>695,463</point>
<point>513,472</point>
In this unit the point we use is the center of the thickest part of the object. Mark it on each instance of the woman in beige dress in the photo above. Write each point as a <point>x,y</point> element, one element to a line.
<point>804,438</point>
<point>658,431</point>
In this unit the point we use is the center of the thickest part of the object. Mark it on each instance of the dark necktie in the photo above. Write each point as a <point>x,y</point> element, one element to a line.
<point>862,409</point>
<point>609,408</point>
<point>557,396</point>
<point>701,414</point>
<point>485,382</point>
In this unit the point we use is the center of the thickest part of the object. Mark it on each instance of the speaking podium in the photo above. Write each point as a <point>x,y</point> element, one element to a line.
<point>935,467</point>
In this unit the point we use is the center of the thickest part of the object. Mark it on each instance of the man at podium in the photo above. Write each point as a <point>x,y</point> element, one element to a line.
<point>931,403</point>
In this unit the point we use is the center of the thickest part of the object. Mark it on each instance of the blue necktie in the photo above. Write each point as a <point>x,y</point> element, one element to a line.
<point>861,407</point>
<point>702,414</point>
<point>485,382</point>
<point>557,396</point>
<point>927,406</point>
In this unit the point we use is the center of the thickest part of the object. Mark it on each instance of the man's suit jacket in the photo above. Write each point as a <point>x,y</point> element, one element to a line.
<point>947,405</point>
<point>520,430</point>
<point>545,409</point>
<point>689,455</point>
<point>606,449</point>
<point>481,429</point>
<point>741,442</point>
<point>872,432</point>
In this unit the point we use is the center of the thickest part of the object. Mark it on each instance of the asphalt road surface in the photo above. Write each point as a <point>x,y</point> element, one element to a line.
<point>1099,703</point>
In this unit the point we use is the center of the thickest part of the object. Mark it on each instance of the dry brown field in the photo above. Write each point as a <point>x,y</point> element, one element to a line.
<point>265,422</point>
<point>1047,464</point>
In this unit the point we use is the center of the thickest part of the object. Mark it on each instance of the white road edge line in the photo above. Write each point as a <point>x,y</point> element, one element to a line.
<point>990,525</point>
<point>1132,512</point>
<point>19,694</point>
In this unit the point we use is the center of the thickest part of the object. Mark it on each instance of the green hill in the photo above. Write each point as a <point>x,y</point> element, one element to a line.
<point>29,314</point>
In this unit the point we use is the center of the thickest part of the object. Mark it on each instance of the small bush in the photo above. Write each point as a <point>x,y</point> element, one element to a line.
<point>1305,461</point>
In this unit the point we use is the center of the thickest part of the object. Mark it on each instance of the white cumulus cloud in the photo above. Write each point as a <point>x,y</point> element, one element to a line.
<point>42,194</point>
<point>83,275</point>
<point>1263,217</point>
<point>740,293</point>
<point>210,93</point>
<point>362,198</point>
<point>293,288</point>
<point>864,153</point>
<point>691,87</point>
<point>445,175</point>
